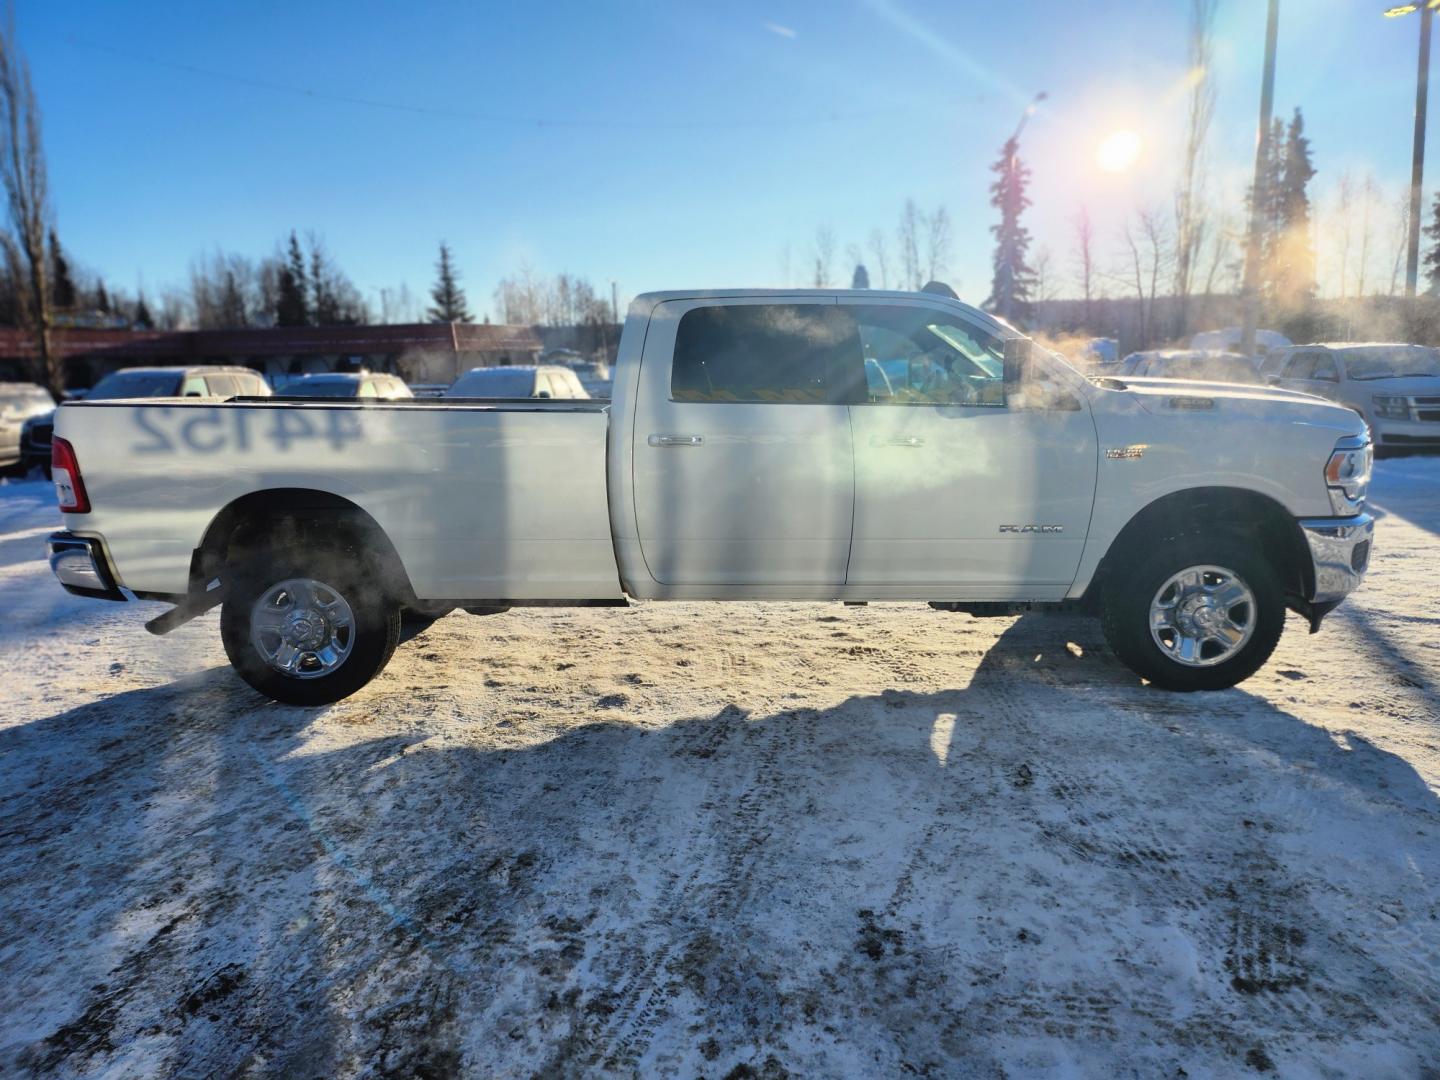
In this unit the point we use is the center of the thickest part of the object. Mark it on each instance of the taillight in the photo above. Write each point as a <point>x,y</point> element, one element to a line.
<point>65,469</point>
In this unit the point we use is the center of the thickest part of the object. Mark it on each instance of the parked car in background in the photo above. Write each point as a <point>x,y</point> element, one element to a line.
<point>518,381</point>
<point>1193,364</point>
<point>1228,340</point>
<point>213,380</point>
<point>347,384</point>
<point>1396,388</point>
<point>1098,352</point>
<point>19,403</point>
<point>595,376</point>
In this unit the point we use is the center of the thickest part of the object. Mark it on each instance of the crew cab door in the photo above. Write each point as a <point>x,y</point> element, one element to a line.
<point>743,466</point>
<point>955,486</point>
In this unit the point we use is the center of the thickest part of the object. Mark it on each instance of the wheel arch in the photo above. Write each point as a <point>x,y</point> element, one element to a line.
<point>1228,510</point>
<point>261,517</point>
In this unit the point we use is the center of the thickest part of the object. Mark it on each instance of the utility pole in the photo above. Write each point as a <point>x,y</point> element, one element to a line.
<point>1417,153</point>
<point>1251,287</point>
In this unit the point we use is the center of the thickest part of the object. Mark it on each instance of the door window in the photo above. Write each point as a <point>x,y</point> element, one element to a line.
<point>777,353</point>
<point>194,387</point>
<point>1301,366</point>
<point>1325,368</point>
<point>919,356</point>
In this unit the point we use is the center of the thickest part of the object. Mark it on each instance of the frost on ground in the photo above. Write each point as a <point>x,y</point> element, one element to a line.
<point>723,840</point>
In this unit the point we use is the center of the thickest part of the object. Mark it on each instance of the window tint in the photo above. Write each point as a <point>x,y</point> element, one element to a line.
<point>778,353</point>
<point>126,384</point>
<point>921,356</point>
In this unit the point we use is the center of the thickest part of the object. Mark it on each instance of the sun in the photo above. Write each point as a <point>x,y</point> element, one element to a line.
<point>1119,150</point>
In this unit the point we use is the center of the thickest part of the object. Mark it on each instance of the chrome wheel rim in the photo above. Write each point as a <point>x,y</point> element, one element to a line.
<point>1203,616</point>
<point>302,628</point>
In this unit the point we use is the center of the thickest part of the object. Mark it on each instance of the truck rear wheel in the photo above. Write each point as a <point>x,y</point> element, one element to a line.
<point>1197,613</point>
<point>308,629</point>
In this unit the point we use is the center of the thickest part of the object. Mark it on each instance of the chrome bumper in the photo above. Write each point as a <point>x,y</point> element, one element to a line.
<point>80,565</point>
<point>1340,550</point>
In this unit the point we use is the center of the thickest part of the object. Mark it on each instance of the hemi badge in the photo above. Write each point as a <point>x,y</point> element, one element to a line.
<point>1125,453</point>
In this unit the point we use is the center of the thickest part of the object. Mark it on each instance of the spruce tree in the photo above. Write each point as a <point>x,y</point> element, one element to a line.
<point>62,287</point>
<point>1294,268</point>
<point>861,277</point>
<point>291,304</point>
<point>450,304</point>
<point>142,320</point>
<point>102,298</point>
<point>1432,257</point>
<point>1010,286</point>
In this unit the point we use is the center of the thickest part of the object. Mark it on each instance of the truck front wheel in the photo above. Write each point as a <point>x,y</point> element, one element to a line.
<point>1195,614</point>
<point>307,630</point>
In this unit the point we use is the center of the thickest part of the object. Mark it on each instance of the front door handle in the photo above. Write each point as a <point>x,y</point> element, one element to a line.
<point>676,440</point>
<point>898,440</point>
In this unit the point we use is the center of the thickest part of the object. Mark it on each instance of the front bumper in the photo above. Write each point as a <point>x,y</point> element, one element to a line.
<point>1421,435</point>
<point>1340,552</point>
<point>81,566</point>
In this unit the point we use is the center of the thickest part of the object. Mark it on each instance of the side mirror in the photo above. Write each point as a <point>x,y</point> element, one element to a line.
<point>543,393</point>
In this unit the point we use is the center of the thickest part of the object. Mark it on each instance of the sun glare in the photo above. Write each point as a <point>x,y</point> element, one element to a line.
<point>1118,151</point>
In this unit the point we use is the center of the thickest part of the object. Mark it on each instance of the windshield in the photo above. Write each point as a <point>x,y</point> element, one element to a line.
<point>493,384</point>
<point>1218,368</point>
<point>136,384</point>
<point>1394,364</point>
<point>319,388</point>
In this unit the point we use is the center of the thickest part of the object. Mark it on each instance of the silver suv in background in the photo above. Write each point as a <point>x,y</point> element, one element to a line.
<point>518,381</point>
<point>1396,388</point>
<point>19,403</point>
<point>204,381</point>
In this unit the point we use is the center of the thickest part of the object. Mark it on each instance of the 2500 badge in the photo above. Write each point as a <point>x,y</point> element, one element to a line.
<point>1032,528</point>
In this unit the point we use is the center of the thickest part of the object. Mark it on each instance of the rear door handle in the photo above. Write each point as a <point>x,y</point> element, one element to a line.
<point>898,440</point>
<point>676,440</point>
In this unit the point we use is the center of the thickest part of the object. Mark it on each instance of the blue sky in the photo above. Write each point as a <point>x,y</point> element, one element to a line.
<point>660,145</point>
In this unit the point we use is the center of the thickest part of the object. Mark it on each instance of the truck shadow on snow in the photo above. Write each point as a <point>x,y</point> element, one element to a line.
<point>1050,861</point>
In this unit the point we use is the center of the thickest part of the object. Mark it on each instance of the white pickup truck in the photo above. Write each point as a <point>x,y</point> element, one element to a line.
<point>759,445</point>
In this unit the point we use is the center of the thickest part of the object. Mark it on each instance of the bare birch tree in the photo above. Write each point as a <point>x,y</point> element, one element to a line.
<point>907,237</point>
<point>27,192</point>
<point>879,257</point>
<point>824,256</point>
<point>1085,261</point>
<point>1190,217</point>
<point>937,243</point>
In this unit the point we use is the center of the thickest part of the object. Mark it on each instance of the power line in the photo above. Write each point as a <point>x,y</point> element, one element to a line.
<point>476,116</point>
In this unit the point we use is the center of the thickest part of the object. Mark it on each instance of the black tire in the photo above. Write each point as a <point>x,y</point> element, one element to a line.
<point>1125,609</point>
<point>374,633</point>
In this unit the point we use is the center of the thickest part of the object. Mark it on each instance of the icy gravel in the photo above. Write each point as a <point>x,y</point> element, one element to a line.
<point>743,840</point>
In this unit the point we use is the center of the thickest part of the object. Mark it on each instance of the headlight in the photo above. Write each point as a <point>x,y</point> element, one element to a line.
<point>1388,405</point>
<point>1347,475</point>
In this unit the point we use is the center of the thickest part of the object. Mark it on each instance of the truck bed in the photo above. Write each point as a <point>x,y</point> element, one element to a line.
<point>483,499</point>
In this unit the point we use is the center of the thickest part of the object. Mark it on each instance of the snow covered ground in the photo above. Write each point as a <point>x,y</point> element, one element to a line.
<point>752,840</point>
